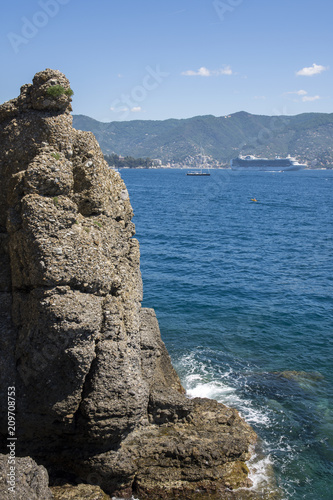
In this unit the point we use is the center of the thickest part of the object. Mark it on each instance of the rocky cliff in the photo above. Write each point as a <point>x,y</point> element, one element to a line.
<point>97,399</point>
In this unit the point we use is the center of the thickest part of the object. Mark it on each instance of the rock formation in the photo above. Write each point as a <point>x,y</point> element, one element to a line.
<point>31,480</point>
<point>97,398</point>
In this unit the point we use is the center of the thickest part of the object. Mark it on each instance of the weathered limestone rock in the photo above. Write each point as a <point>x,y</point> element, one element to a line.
<point>31,481</point>
<point>80,492</point>
<point>97,396</point>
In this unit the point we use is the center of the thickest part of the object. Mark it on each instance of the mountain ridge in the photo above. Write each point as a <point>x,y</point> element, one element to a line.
<point>307,136</point>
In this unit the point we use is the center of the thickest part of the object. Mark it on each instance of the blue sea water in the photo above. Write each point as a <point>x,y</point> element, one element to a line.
<point>243,295</point>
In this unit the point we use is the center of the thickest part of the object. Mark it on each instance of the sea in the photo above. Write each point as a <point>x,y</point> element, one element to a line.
<point>243,293</point>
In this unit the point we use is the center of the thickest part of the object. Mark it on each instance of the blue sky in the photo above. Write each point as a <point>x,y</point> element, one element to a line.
<point>153,59</point>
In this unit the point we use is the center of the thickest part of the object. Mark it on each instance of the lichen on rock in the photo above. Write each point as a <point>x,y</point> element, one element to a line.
<point>97,395</point>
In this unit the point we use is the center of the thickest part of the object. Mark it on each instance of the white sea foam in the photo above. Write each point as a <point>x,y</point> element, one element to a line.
<point>212,390</point>
<point>254,416</point>
<point>205,380</point>
<point>261,473</point>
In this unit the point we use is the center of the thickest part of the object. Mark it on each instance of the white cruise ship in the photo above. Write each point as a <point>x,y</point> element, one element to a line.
<point>277,164</point>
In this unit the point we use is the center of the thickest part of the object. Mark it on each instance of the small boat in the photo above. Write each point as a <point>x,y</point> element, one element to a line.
<point>198,173</point>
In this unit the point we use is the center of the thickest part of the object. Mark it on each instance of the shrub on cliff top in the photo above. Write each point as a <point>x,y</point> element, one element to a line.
<point>59,90</point>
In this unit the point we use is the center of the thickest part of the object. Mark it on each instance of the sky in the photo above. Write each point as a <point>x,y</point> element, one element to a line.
<point>155,60</point>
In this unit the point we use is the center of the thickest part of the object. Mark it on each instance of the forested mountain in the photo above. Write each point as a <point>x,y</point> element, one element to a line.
<point>308,136</point>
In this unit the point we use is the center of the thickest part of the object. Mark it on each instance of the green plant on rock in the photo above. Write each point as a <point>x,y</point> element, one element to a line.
<point>58,90</point>
<point>55,200</point>
<point>56,156</point>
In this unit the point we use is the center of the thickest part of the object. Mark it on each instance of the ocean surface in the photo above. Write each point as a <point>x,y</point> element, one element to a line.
<point>243,294</point>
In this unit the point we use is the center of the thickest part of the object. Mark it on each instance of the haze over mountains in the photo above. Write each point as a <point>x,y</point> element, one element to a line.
<point>308,136</point>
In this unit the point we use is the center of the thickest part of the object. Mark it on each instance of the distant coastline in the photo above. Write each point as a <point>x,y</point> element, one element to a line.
<point>178,143</point>
<point>119,162</point>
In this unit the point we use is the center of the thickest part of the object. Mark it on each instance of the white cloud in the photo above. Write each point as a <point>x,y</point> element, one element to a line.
<point>315,69</point>
<point>225,71</point>
<point>304,95</point>
<point>136,109</point>
<point>201,72</point>
<point>260,97</point>
<point>309,98</point>
<point>117,110</point>
<point>297,92</point>
<point>207,72</point>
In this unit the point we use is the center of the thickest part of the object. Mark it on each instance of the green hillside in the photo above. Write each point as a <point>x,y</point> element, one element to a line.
<point>308,136</point>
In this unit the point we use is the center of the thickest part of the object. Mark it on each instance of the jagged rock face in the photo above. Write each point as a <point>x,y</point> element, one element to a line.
<point>29,482</point>
<point>96,392</point>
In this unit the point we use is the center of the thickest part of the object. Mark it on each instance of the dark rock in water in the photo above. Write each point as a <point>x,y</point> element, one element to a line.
<point>300,376</point>
<point>307,381</point>
<point>96,394</point>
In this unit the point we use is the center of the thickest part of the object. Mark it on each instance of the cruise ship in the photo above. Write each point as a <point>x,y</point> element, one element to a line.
<point>277,164</point>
